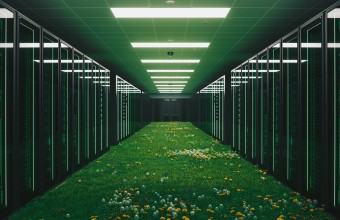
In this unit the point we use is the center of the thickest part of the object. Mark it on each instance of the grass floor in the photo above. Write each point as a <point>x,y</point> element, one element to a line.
<point>171,171</point>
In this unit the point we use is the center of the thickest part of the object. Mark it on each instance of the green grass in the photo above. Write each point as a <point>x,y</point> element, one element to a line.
<point>154,170</point>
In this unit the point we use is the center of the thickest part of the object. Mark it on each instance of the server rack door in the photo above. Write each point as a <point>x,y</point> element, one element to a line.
<point>311,80</point>
<point>49,103</point>
<point>99,107</point>
<point>28,76</point>
<point>333,62</point>
<point>105,110</point>
<point>274,121</point>
<point>248,112</point>
<point>264,117</point>
<point>93,111</point>
<point>252,80</point>
<point>6,74</point>
<point>87,76</point>
<point>237,108</point>
<point>243,109</point>
<point>233,95</point>
<point>78,127</point>
<point>290,77</point>
<point>66,73</point>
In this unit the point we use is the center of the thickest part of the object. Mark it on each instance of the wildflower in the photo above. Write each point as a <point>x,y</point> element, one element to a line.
<point>239,214</point>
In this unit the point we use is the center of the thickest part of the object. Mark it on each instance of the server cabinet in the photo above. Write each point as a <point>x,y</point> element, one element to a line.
<point>274,150</point>
<point>311,90</point>
<point>252,101</point>
<point>27,108</point>
<point>243,108</point>
<point>49,109</point>
<point>212,108</point>
<point>235,84</point>
<point>333,72</point>
<point>290,136</point>
<point>78,126</point>
<point>65,107</point>
<point>105,110</point>
<point>6,78</point>
<point>92,111</point>
<point>264,107</point>
<point>127,100</point>
<point>87,76</point>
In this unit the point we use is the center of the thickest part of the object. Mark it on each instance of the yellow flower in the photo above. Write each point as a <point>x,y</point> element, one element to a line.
<point>252,209</point>
<point>162,218</point>
<point>184,210</point>
<point>276,206</point>
<point>239,214</point>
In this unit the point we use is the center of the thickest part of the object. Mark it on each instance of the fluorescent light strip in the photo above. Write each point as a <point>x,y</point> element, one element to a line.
<point>170,88</point>
<point>277,61</point>
<point>5,13</point>
<point>166,82</point>
<point>239,81</point>
<point>235,85</point>
<point>170,71</point>
<point>101,81</point>
<point>170,45</point>
<point>170,85</point>
<point>94,77</point>
<point>106,85</point>
<point>335,13</point>
<point>170,61</point>
<point>63,61</point>
<point>245,77</point>
<point>86,71</point>
<point>170,77</point>
<point>170,12</point>
<point>254,71</point>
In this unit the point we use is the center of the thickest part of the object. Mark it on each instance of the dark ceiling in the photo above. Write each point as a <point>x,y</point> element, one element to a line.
<point>90,26</point>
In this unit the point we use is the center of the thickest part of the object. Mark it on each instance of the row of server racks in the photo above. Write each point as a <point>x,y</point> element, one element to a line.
<point>211,111</point>
<point>286,108</point>
<point>54,104</point>
<point>132,108</point>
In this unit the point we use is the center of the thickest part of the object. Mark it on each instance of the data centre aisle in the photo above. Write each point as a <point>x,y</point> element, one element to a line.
<point>171,171</point>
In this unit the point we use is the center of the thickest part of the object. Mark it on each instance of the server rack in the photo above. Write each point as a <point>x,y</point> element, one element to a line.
<point>7,37</point>
<point>211,104</point>
<point>129,109</point>
<point>297,105</point>
<point>45,91</point>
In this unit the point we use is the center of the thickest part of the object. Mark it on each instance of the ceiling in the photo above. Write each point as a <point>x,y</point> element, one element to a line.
<point>90,26</point>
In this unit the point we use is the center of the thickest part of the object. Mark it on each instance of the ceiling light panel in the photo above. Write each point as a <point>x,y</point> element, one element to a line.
<point>170,77</point>
<point>167,82</point>
<point>170,45</point>
<point>170,61</point>
<point>170,71</point>
<point>170,12</point>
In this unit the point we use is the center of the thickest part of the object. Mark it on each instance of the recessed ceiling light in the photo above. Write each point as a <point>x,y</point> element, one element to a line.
<point>170,45</point>
<point>5,13</point>
<point>170,61</point>
<point>335,13</point>
<point>170,77</point>
<point>170,85</point>
<point>170,71</point>
<point>166,82</point>
<point>170,12</point>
